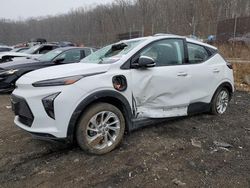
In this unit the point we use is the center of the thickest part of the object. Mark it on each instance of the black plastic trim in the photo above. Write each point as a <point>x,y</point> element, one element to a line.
<point>22,110</point>
<point>226,85</point>
<point>48,137</point>
<point>95,97</point>
<point>198,107</point>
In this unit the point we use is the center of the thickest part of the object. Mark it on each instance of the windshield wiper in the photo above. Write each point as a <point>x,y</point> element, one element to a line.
<point>101,60</point>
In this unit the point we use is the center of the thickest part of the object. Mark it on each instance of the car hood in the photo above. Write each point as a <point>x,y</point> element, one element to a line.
<point>61,71</point>
<point>17,63</point>
<point>14,54</point>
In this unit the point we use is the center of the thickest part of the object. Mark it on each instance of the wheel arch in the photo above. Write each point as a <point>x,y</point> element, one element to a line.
<point>226,85</point>
<point>108,96</point>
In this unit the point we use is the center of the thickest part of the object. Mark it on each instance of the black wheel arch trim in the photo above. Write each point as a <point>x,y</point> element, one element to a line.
<point>99,96</point>
<point>227,85</point>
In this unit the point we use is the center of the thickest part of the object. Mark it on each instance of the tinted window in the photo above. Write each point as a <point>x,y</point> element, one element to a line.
<point>5,49</point>
<point>71,56</point>
<point>50,55</point>
<point>197,53</point>
<point>87,52</point>
<point>166,52</point>
<point>45,49</point>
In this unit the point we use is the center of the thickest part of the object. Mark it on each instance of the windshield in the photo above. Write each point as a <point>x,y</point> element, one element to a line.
<point>49,56</point>
<point>20,50</point>
<point>32,49</point>
<point>111,53</point>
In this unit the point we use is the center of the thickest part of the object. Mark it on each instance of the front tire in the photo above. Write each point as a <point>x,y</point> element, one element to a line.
<point>100,129</point>
<point>220,101</point>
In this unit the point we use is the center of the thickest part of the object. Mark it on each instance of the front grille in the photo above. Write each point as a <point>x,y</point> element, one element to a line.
<point>22,110</point>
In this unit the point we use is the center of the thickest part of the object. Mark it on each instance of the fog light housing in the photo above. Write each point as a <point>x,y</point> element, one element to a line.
<point>48,103</point>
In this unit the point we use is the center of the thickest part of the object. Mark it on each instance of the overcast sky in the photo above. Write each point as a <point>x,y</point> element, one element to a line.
<point>23,9</point>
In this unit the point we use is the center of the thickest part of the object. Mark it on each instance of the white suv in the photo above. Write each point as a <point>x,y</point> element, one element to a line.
<point>120,86</point>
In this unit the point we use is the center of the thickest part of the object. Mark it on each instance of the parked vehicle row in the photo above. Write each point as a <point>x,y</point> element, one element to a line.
<point>120,87</point>
<point>5,49</point>
<point>34,51</point>
<point>11,71</point>
<point>36,48</point>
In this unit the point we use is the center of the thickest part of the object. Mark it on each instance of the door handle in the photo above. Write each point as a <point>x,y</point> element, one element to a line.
<point>216,70</point>
<point>182,74</point>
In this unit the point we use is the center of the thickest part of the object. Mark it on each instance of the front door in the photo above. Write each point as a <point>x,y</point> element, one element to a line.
<point>162,91</point>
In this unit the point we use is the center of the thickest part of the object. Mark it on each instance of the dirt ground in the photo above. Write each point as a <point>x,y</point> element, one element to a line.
<point>156,156</point>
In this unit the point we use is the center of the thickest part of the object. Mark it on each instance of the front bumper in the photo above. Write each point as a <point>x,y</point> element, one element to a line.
<point>30,114</point>
<point>41,135</point>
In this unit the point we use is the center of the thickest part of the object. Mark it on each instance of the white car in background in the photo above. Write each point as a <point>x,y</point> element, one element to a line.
<point>121,86</point>
<point>34,52</point>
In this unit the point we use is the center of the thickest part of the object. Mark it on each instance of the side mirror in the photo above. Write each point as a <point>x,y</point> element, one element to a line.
<point>146,62</point>
<point>59,60</point>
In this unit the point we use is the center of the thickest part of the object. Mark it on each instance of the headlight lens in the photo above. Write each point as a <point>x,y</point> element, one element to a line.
<point>58,81</point>
<point>48,103</point>
<point>9,72</point>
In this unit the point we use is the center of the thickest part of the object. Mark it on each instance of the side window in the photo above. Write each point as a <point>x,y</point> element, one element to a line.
<point>87,52</point>
<point>166,52</point>
<point>197,53</point>
<point>45,49</point>
<point>70,56</point>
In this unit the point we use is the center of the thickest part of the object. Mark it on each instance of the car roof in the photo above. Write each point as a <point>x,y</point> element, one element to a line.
<point>191,40</point>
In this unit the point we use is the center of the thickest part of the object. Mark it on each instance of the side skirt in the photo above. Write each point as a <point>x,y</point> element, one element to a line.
<point>194,108</point>
<point>198,107</point>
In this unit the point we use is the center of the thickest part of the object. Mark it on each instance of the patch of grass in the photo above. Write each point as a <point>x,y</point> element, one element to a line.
<point>234,51</point>
<point>240,71</point>
<point>238,52</point>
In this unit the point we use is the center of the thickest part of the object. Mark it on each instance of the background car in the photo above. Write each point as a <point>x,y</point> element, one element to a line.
<point>34,51</point>
<point>11,71</point>
<point>20,49</point>
<point>5,48</point>
<point>243,40</point>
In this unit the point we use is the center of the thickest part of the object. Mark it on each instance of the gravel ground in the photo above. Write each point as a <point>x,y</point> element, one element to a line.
<point>181,152</point>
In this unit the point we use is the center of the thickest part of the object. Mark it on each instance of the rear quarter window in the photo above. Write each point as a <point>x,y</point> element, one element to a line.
<point>197,53</point>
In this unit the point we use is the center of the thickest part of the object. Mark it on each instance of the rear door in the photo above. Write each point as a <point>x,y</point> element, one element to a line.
<point>162,91</point>
<point>204,71</point>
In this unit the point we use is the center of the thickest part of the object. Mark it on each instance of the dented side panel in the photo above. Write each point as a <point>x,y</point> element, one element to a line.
<point>159,92</point>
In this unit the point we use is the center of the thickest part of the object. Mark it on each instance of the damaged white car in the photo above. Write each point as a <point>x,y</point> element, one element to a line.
<point>120,87</point>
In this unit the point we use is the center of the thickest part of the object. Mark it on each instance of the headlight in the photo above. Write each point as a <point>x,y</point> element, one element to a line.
<point>58,81</point>
<point>48,103</point>
<point>9,72</point>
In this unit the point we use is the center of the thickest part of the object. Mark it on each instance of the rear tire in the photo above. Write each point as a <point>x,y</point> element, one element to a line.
<point>100,129</point>
<point>220,101</point>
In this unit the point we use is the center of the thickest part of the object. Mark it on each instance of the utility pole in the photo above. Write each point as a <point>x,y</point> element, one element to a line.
<point>152,29</point>
<point>142,31</point>
<point>130,33</point>
<point>235,25</point>
<point>194,26</point>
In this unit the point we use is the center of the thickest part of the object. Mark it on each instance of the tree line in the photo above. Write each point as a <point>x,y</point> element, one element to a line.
<point>101,25</point>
